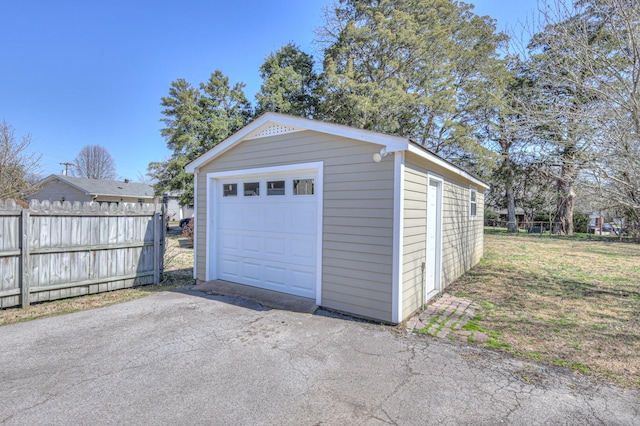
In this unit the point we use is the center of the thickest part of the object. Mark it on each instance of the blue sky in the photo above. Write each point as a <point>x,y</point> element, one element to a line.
<point>77,72</point>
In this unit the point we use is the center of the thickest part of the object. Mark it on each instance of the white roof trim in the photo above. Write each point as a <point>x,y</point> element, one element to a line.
<point>445,164</point>
<point>284,122</point>
<point>391,143</point>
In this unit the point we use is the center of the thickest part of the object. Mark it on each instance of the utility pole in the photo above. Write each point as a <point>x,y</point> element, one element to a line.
<point>66,168</point>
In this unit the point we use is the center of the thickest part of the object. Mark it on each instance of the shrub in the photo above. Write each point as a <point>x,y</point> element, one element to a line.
<point>187,231</point>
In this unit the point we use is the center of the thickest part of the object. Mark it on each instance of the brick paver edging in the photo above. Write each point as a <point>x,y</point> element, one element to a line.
<point>445,317</point>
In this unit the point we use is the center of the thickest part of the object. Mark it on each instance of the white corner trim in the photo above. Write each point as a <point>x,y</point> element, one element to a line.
<point>398,237</point>
<point>210,219</point>
<point>195,225</point>
<point>320,237</point>
<point>433,176</point>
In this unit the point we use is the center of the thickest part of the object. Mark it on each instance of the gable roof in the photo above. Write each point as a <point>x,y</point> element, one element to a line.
<point>272,123</point>
<point>97,187</point>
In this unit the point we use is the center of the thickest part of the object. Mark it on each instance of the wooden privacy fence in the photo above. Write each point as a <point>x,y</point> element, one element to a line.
<point>52,251</point>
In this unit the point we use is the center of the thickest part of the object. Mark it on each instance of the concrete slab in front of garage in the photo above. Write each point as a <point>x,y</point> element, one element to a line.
<point>268,298</point>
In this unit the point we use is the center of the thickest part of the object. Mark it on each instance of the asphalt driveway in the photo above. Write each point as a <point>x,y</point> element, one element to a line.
<point>188,358</point>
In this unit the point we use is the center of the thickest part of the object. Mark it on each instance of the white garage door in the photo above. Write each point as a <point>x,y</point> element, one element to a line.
<point>266,232</point>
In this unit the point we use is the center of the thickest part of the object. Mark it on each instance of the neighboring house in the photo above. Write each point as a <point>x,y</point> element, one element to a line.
<point>176,211</point>
<point>521,217</point>
<point>597,224</point>
<point>68,188</point>
<point>364,223</point>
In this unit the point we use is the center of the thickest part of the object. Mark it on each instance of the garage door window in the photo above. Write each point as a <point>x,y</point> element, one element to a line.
<point>275,187</point>
<point>251,189</point>
<point>230,189</point>
<point>303,187</point>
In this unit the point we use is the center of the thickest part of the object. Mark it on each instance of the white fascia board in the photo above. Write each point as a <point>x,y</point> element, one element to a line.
<point>442,163</point>
<point>390,143</point>
<point>226,144</point>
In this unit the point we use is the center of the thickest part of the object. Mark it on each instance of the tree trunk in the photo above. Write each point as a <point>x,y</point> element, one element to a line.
<point>566,200</point>
<point>512,225</point>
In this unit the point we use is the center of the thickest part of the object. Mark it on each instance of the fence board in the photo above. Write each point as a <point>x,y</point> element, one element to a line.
<point>50,251</point>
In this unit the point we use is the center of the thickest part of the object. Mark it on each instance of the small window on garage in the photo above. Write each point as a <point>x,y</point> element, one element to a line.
<point>251,189</point>
<point>275,187</point>
<point>303,186</point>
<point>230,189</point>
<point>473,203</point>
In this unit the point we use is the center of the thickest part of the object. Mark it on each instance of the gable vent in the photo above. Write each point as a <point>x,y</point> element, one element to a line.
<point>272,130</point>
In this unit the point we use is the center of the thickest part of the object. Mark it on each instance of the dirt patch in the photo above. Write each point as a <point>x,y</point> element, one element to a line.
<point>570,303</point>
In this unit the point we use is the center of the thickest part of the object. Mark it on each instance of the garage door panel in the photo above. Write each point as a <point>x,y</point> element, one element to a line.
<point>275,246</point>
<point>230,268</point>
<point>303,250</point>
<point>230,218</point>
<point>251,217</point>
<point>275,276</point>
<point>268,241</point>
<point>251,243</point>
<point>303,220</point>
<point>303,282</point>
<point>229,240</point>
<point>251,270</point>
<point>276,218</point>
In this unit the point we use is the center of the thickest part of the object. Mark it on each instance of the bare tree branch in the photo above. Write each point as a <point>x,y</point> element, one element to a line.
<point>94,162</point>
<point>18,166</point>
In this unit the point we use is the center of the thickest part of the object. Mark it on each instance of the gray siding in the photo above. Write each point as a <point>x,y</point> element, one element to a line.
<point>357,218</point>
<point>462,237</point>
<point>56,190</point>
<point>415,220</point>
<point>59,191</point>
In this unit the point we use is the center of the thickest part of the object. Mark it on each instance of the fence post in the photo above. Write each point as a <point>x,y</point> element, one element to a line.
<point>157,229</point>
<point>163,242</point>
<point>24,258</point>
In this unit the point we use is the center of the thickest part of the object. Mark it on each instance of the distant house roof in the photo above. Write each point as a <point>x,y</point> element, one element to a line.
<point>102,187</point>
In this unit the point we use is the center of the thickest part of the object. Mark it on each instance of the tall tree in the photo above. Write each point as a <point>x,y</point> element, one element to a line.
<point>18,166</point>
<point>289,83</point>
<point>196,119</point>
<point>503,128</point>
<point>614,80</point>
<point>94,162</point>
<point>587,62</point>
<point>414,68</point>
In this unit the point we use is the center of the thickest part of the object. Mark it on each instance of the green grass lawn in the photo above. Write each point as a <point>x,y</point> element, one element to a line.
<point>569,302</point>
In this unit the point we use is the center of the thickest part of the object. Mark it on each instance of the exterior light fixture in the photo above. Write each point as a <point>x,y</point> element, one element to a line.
<point>377,157</point>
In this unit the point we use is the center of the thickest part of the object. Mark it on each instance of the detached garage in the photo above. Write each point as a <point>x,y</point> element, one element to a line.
<point>364,223</point>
